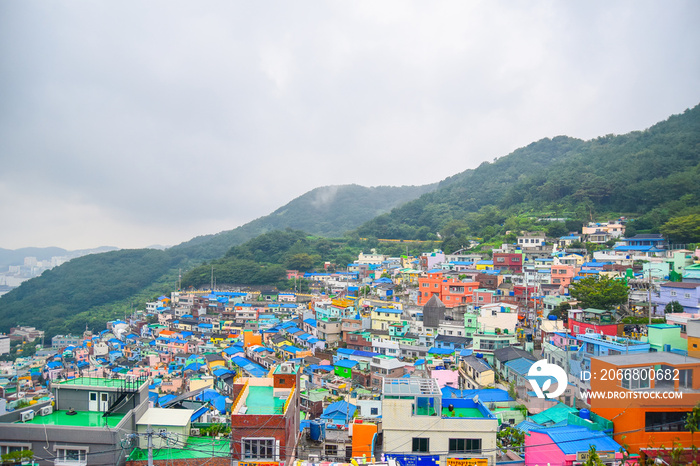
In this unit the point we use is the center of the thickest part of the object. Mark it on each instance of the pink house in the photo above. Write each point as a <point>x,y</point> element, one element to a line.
<point>562,275</point>
<point>565,446</point>
<point>81,354</point>
<point>171,386</point>
<point>177,346</point>
<point>445,378</point>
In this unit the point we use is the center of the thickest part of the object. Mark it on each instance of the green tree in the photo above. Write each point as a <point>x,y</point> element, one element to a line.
<point>673,306</point>
<point>510,438</point>
<point>599,293</point>
<point>593,458</point>
<point>685,229</point>
<point>556,229</point>
<point>692,423</point>
<point>301,261</point>
<point>561,310</point>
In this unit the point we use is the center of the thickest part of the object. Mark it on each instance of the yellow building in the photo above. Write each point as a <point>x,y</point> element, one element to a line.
<point>383,317</point>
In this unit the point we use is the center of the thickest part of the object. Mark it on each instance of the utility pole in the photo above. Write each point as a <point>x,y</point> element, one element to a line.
<point>149,433</point>
<point>649,295</point>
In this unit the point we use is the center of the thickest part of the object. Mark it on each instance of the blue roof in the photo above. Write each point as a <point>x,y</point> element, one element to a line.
<point>313,340</point>
<point>520,365</point>
<point>195,366</point>
<point>346,363</point>
<point>253,369</point>
<point>596,264</point>
<point>222,371</point>
<point>231,350</point>
<point>291,349</point>
<point>572,440</point>
<point>365,354</point>
<point>345,351</point>
<point>388,309</point>
<point>199,413</point>
<point>165,399</point>
<point>440,351</point>
<point>339,409</point>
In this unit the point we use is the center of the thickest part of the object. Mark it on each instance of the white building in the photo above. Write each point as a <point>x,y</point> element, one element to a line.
<point>4,344</point>
<point>417,421</point>
<point>503,316</point>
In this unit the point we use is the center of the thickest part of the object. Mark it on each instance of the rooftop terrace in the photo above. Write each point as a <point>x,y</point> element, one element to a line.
<point>260,400</point>
<point>80,419</point>
<point>100,382</point>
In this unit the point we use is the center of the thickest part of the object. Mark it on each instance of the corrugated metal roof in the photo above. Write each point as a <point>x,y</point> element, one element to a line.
<point>572,440</point>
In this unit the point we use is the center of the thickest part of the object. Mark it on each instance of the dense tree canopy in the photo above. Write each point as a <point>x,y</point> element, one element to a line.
<point>599,292</point>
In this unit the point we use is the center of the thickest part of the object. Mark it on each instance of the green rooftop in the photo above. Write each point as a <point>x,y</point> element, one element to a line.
<point>463,412</point>
<point>197,447</point>
<point>80,419</point>
<point>260,400</point>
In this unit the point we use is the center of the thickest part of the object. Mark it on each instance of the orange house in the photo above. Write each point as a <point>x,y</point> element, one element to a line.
<point>251,339</point>
<point>650,405</point>
<point>693,332</point>
<point>450,291</point>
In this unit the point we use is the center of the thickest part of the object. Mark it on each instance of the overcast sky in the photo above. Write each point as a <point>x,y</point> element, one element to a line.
<point>131,123</point>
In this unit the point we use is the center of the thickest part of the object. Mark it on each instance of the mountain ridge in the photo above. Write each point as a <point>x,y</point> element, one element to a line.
<point>652,173</point>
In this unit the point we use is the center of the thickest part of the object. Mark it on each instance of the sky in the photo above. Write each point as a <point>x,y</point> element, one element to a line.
<point>132,123</point>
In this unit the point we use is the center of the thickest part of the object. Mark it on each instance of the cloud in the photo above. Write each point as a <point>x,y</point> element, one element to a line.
<point>137,123</point>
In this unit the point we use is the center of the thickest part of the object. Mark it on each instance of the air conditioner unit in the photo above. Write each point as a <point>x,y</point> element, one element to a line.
<point>314,458</point>
<point>194,432</point>
<point>46,410</point>
<point>285,369</point>
<point>26,416</point>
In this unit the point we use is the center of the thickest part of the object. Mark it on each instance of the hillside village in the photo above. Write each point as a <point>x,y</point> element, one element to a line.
<point>393,360</point>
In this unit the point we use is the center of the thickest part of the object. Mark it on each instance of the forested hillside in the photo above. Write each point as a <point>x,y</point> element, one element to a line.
<point>264,259</point>
<point>650,175</point>
<point>93,289</point>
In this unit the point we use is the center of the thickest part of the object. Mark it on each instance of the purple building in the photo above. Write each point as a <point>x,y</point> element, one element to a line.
<point>687,294</point>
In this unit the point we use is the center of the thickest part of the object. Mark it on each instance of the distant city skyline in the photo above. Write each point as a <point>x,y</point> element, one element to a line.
<point>130,125</point>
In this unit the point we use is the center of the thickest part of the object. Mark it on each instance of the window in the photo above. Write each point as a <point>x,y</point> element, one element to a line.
<point>685,378</point>
<point>331,450</point>
<point>420,445</point>
<point>6,448</point>
<point>673,293</point>
<point>500,259</point>
<point>687,296</point>
<point>635,379</point>
<point>374,411</point>
<point>665,421</point>
<point>258,449</point>
<point>73,456</point>
<point>463,445</point>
